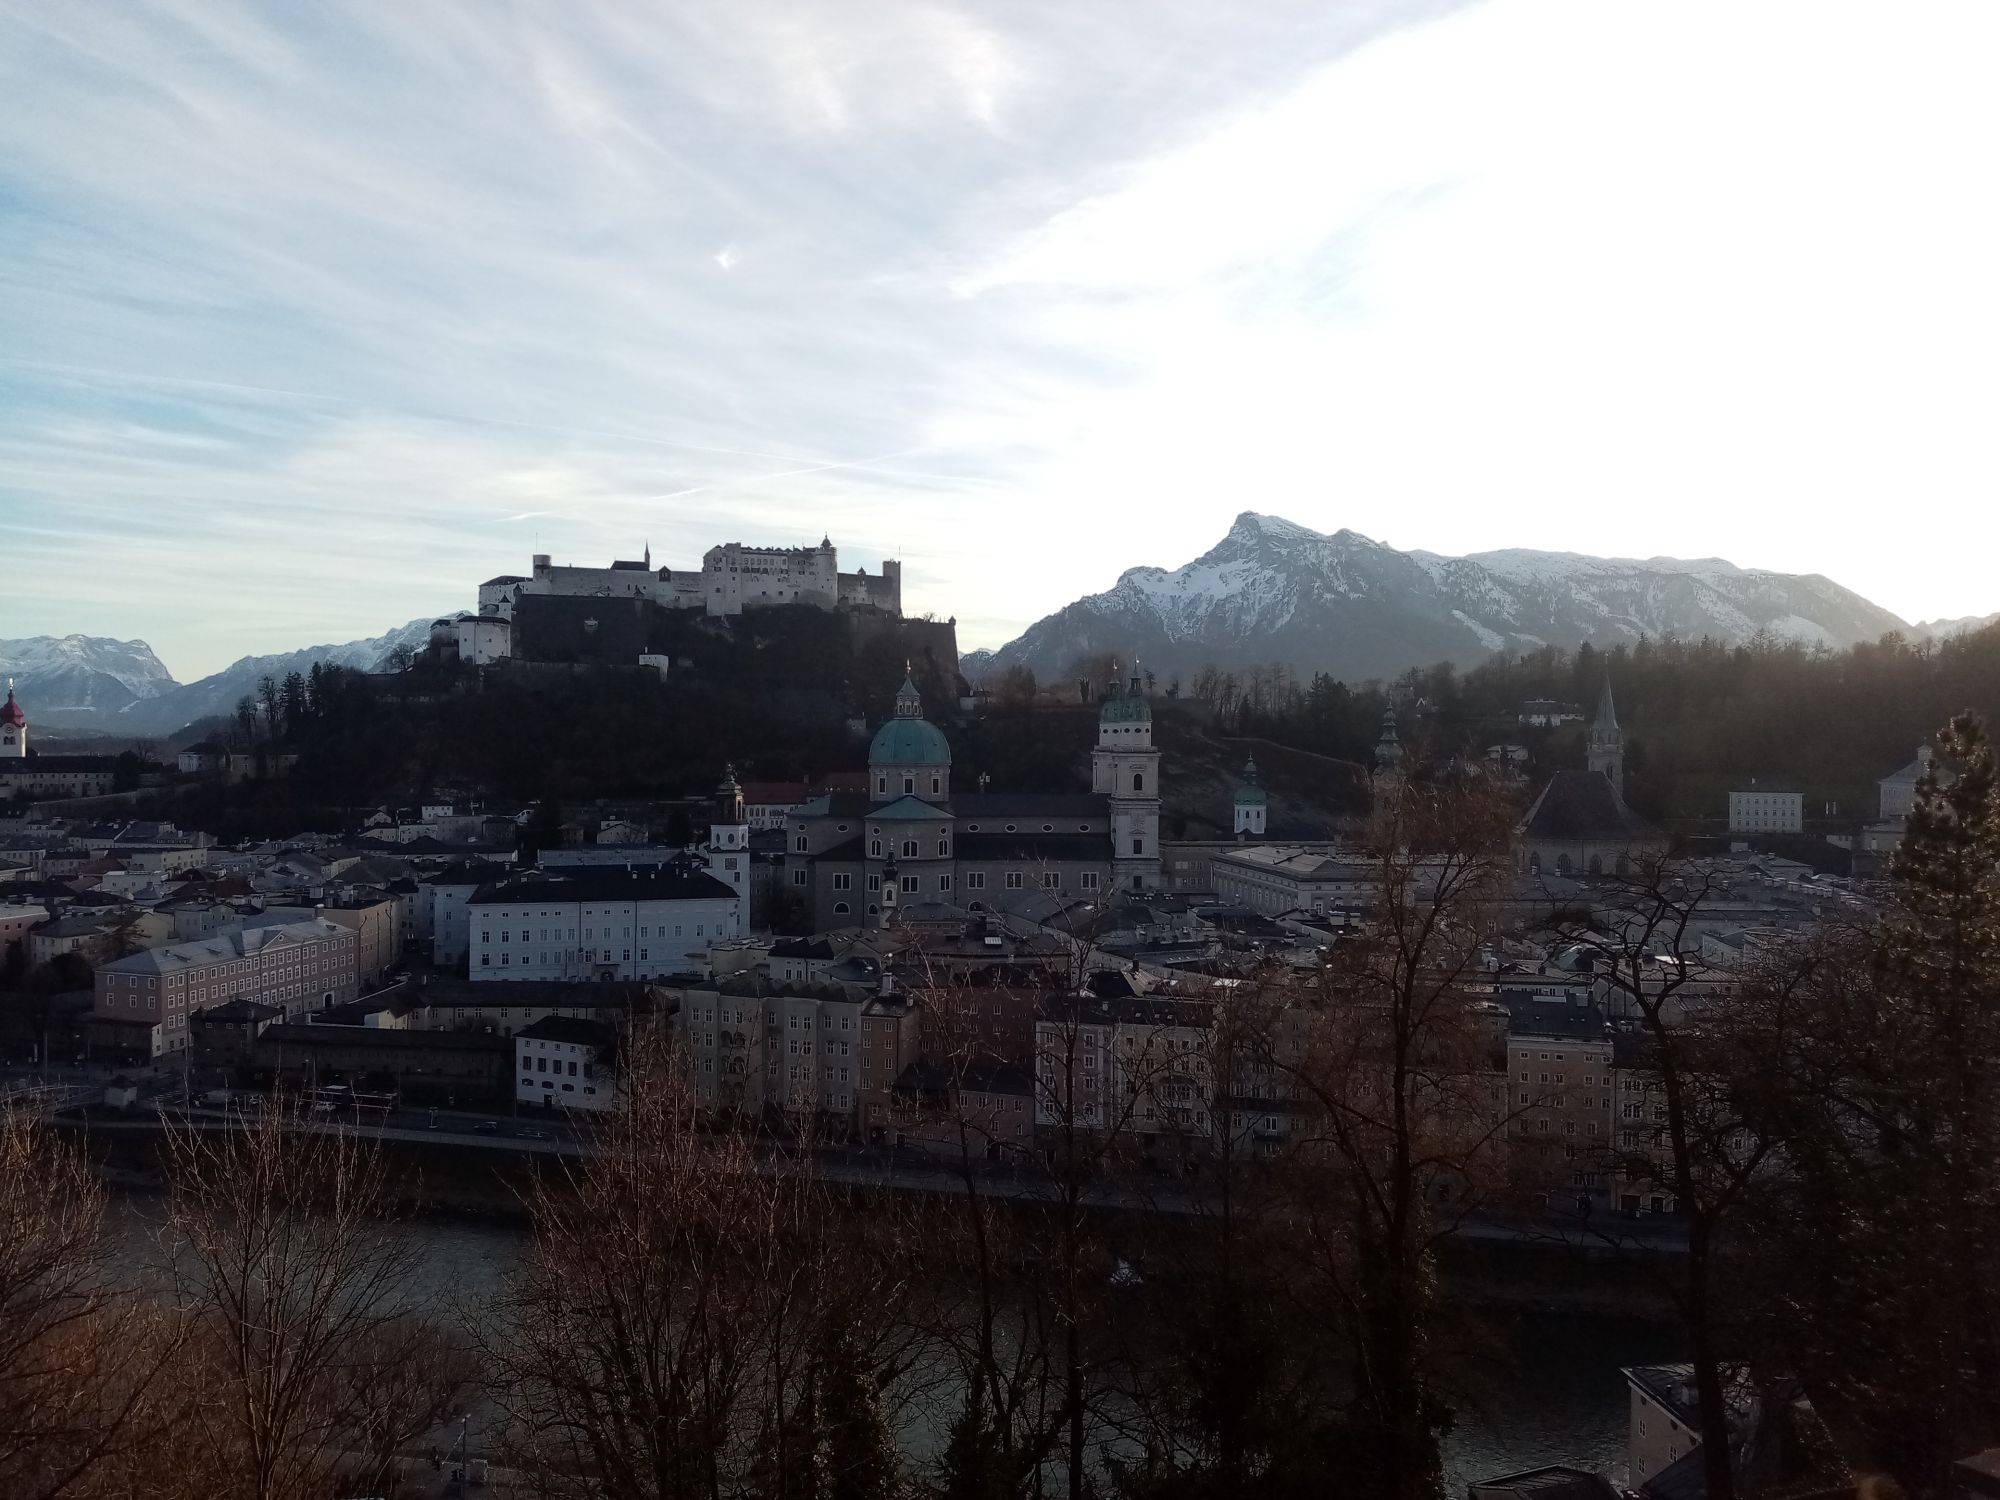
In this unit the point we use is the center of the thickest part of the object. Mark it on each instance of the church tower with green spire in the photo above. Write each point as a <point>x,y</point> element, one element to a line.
<point>1126,768</point>
<point>1607,741</point>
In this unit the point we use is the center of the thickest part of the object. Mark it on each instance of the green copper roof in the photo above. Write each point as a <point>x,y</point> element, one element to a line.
<point>1248,792</point>
<point>909,742</point>
<point>1125,706</point>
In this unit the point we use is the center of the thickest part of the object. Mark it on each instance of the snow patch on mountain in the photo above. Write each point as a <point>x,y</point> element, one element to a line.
<point>1273,590</point>
<point>82,673</point>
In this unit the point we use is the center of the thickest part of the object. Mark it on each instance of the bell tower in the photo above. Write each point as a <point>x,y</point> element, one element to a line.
<point>13,728</point>
<point>728,853</point>
<point>1606,749</point>
<point>1126,768</point>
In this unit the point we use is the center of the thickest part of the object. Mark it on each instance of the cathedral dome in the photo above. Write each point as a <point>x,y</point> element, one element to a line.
<point>1126,707</point>
<point>909,742</point>
<point>909,739</point>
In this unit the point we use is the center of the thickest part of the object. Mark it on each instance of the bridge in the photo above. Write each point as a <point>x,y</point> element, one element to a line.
<point>27,1096</point>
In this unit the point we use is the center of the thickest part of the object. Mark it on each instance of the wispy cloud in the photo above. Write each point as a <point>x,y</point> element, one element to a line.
<point>312,312</point>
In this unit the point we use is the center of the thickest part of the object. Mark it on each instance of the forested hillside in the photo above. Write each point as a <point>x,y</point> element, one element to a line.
<point>1698,716</point>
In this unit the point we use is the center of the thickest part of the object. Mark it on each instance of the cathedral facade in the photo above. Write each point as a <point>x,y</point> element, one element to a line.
<point>912,839</point>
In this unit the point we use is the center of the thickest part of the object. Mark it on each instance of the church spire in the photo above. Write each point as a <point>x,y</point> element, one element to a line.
<point>1606,746</point>
<point>909,702</point>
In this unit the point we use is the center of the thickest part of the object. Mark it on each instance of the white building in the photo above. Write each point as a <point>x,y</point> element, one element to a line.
<point>564,1063</point>
<point>443,908</point>
<point>731,579</point>
<point>600,924</point>
<point>1250,803</point>
<point>727,854</point>
<point>1766,806</point>
<point>1274,878</point>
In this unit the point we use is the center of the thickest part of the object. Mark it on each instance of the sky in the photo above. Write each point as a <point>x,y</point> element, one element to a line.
<point>313,317</point>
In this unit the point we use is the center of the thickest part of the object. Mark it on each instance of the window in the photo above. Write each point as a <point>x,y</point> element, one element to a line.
<point>909,785</point>
<point>1013,880</point>
<point>909,885</point>
<point>1051,880</point>
<point>840,908</point>
<point>842,881</point>
<point>975,880</point>
<point>1138,845</point>
<point>802,843</point>
<point>909,848</point>
<point>944,882</point>
<point>1138,781</point>
<point>874,883</point>
<point>874,848</point>
<point>1090,880</point>
<point>944,848</point>
<point>799,877</point>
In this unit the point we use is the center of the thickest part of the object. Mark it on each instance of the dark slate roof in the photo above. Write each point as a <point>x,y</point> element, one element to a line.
<point>1582,805</point>
<point>592,883</point>
<point>802,947</point>
<point>237,1010</point>
<point>848,849</point>
<point>1551,1482</point>
<point>527,992</point>
<point>1030,805</point>
<point>469,872</point>
<point>62,763</point>
<point>1034,846</point>
<point>570,1029</point>
<point>387,1038</point>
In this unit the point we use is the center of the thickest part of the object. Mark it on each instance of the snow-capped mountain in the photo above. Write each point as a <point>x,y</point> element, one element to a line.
<point>1963,625</point>
<point>1274,591</point>
<point>171,705</point>
<point>83,673</point>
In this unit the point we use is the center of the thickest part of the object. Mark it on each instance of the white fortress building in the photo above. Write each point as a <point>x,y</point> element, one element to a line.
<point>732,578</point>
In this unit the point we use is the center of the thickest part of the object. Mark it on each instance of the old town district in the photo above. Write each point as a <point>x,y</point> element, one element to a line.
<point>973,968</point>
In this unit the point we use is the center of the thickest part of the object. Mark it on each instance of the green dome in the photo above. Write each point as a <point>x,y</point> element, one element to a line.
<point>1124,707</point>
<point>1248,792</point>
<point>909,742</point>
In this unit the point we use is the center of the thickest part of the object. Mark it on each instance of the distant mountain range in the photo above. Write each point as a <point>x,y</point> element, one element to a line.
<point>121,687</point>
<point>1275,591</point>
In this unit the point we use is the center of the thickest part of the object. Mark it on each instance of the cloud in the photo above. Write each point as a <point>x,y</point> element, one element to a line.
<point>311,312</point>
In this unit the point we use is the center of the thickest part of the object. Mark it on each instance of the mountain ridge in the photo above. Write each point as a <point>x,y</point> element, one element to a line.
<point>1345,604</point>
<point>81,685</point>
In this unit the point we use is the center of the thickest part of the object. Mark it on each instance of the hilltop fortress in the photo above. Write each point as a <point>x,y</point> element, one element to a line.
<point>732,578</point>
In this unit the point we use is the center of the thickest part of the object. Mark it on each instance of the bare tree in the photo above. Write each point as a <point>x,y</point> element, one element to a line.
<point>77,1353</point>
<point>687,1324</point>
<point>1400,1136</point>
<point>311,1351</point>
<point>1642,934</point>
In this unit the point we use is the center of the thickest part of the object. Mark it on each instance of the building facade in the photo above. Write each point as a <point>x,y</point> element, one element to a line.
<point>294,967</point>
<point>600,925</point>
<point>1766,807</point>
<point>561,1063</point>
<point>851,858</point>
<point>732,578</point>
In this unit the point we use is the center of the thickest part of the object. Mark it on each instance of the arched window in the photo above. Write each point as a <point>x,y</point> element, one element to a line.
<point>944,848</point>
<point>1562,864</point>
<point>1138,781</point>
<point>909,848</point>
<point>874,848</point>
<point>802,843</point>
<point>1597,864</point>
<point>840,908</point>
<point>881,786</point>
